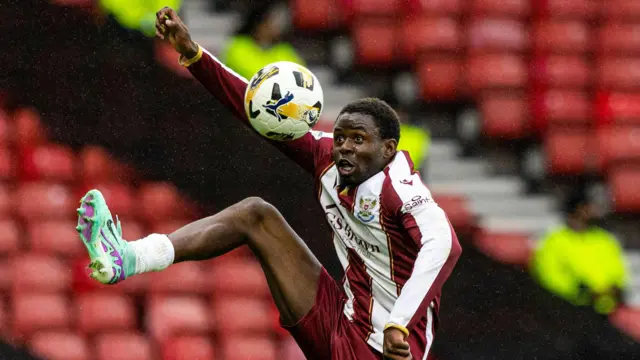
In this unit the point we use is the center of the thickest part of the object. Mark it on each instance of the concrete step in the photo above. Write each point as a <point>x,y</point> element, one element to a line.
<point>443,150</point>
<point>518,205</point>
<point>443,169</point>
<point>536,226</point>
<point>480,188</point>
<point>339,96</point>
<point>216,23</point>
<point>325,75</point>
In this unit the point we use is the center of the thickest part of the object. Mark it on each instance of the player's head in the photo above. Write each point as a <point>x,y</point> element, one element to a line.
<point>365,137</point>
<point>580,210</point>
<point>265,22</point>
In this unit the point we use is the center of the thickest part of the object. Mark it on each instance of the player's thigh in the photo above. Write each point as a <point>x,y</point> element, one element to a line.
<point>291,268</point>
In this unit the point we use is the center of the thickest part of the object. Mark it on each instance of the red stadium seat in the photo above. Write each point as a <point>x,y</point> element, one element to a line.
<point>510,8</point>
<point>457,210</point>
<point>323,16</point>
<point>160,202</point>
<point>33,312</point>
<point>239,315</point>
<point>6,201</point>
<point>560,37</point>
<point>627,320</point>
<point>559,107</point>
<point>423,34</point>
<point>8,164</point>
<point>621,10</point>
<point>618,73</point>
<point>559,71</point>
<point>566,9</point>
<point>28,127</point>
<point>248,347</point>
<point>624,188</point>
<point>374,42</point>
<point>96,165</point>
<point>439,77</point>
<point>186,277</point>
<point>167,227</point>
<point>41,273</point>
<point>569,152</point>
<point>618,38</point>
<point>497,35</point>
<point>123,346</point>
<point>6,129</point>
<point>132,230</point>
<point>60,346</point>
<point>618,108</point>
<point>47,162</point>
<point>170,316</point>
<point>4,319</point>
<point>9,237</point>
<point>58,237</point>
<point>505,115</point>
<point>618,144</point>
<point>35,201</point>
<point>6,280</point>
<point>496,71</point>
<point>433,7</point>
<point>508,248</point>
<point>237,277</point>
<point>101,312</point>
<point>188,348</point>
<point>371,8</point>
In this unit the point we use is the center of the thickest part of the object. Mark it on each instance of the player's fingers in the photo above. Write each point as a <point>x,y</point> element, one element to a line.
<point>171,14</point>
<point>399,352</point>
<point>404,345</point>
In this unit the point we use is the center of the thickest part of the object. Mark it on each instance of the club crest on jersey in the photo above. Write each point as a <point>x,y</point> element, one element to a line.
<point>366,205</point>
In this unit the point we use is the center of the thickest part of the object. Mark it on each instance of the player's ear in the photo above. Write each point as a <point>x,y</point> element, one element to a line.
<point>389,148</point>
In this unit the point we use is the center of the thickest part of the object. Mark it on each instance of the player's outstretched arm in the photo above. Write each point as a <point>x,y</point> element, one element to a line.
<point>224,84</point>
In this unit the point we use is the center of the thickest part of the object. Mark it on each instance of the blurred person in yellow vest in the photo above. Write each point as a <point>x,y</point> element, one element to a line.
<point>258,41</point>
<point>580,261</point>
<point>414,139</point>
<point>139,15</point>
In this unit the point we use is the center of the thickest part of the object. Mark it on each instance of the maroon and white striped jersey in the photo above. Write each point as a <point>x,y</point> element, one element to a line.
<point>395,243</point>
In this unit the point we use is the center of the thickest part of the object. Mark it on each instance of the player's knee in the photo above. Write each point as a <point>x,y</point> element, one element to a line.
<point>255,210</point>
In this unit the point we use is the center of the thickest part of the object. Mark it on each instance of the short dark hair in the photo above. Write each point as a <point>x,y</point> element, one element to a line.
<point>382,113</point>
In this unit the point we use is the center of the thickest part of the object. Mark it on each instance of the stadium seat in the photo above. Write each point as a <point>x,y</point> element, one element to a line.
<point>497,35</point>
<point>8,164</point>
<point>6,129</point>
<point>496,71</point>
<point>229,315</point>
<point>248,347</point>
<point>289,350</point>
<point>160,202</point>
<point>434,7</point>
<point>627,320</point>
<point>33,312</point>
<point>132,230</point>
<point>618,144</point>
<point>186,277</point>
<point>627,10</point>
<point>616,38</point>
<point>505,114</point>
<point>569,152</point>
<point>428,34</point>
<point>188,348</point>
<point>566,9</point>
<point>60,346</point>
<point>618,73</point>
<point>439,77</point>
<point>47,162</point>
<point>325,14</point>
<point>56,237</point>
<point>10,233</point>
<point>374,42</point>
<point>560,72</point>
<point>41,273</point>
<point>373,8</point>
<point>93,317</point>
<point>96,165</point>
<point>561,37</point>
<point>6,202</point>
<point>167,227</point>
<point>6,280</point>
<point>617,108</point>
<point>561,108</point>
<point>36,201</point>
<point>508,248</point>
<point>123,346</point>
<point>508,8</point>
<point>237,277</point>
<point>456,208</point>
<point>624,182</point>
<point>28,127</point>
<point>4,318</point>
<point>177,315</point>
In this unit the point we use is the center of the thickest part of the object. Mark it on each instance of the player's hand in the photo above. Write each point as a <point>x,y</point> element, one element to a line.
<point>396,346</point>
<point>170,26</point>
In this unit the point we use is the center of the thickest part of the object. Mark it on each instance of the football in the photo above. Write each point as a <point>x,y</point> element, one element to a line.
<point>283,101</point>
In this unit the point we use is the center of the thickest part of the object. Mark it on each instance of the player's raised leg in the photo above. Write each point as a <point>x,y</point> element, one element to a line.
<point>291,269</point>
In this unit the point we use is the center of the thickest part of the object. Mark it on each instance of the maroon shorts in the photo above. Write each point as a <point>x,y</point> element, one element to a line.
<point>325,333</point>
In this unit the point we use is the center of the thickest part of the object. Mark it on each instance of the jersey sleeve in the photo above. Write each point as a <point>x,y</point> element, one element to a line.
<point>310,151</point>
<point>439,250</point>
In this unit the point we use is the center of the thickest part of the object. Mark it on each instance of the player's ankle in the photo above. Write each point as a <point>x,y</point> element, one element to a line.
<point>152,253</point>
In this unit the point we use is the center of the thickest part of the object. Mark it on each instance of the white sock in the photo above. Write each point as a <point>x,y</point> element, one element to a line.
<point>153,253</point>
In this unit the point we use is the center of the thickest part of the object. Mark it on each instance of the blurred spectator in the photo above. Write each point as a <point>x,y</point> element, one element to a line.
<point>139,15</point>
<point>258,41</point>
<point>580,261</point>
<point>414,139</point>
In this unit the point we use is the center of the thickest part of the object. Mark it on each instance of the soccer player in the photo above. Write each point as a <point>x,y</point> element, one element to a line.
<point>396,245</point>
